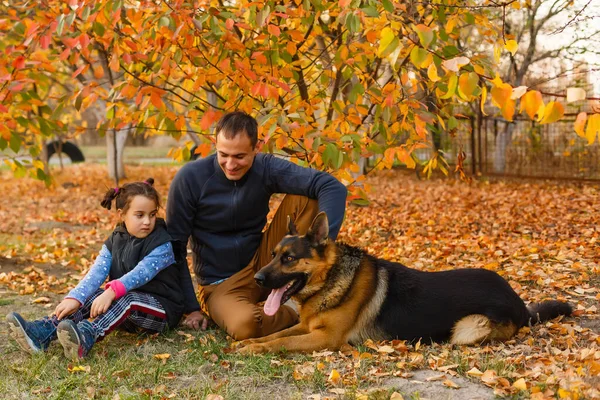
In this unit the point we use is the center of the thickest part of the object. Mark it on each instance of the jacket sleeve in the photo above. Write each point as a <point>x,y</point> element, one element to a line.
<point>181,209</point>
<point>286,177</point>
<point>94,278</point>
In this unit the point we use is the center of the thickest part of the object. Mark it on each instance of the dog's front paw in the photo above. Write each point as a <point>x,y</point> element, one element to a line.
<point>252,348</point>
<point>242,343</point>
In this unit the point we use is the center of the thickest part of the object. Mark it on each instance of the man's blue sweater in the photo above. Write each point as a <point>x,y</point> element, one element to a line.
<point>225,218</point>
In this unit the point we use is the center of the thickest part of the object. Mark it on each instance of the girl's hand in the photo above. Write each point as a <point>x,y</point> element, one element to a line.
<point>102,303</point>
<point>66,308</point>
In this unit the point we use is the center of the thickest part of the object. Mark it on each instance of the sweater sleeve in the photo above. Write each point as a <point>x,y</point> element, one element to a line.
<point>94,278</point>
<point>158,259</point>
<point>286,177</point>
<point>181,209</point>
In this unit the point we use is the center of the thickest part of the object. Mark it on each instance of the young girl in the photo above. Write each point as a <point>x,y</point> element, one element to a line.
<point>143,289</point>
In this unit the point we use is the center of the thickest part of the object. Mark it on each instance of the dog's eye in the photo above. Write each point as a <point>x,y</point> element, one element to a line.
<point>289,258</point>
<point>273,254</point>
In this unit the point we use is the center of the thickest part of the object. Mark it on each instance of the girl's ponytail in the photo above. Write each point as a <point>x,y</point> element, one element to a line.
<point>123,195</point>
<point>110,195</point>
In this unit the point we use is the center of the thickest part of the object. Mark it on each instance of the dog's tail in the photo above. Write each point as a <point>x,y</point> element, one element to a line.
<point>546,310</point>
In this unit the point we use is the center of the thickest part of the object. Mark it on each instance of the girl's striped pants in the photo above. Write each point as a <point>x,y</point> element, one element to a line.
<point>134,310</point>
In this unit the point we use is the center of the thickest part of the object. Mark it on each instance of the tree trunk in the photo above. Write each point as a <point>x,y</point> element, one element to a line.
<point>115,144</point>
<point>503,140</point>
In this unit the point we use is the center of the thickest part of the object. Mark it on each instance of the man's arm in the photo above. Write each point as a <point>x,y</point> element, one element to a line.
<point>287,177</point>
<point>181,209</point>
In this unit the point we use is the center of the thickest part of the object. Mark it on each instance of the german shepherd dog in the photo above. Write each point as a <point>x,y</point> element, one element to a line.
<point>347,296</point>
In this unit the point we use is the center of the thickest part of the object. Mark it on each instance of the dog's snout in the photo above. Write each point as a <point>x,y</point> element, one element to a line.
<point>259,277</point>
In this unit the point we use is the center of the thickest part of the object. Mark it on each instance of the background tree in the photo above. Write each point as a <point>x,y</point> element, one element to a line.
<point>330,82</point>
<point>569,35</point>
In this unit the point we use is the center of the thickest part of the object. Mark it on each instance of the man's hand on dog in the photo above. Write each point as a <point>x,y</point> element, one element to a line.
<point>196,320</point>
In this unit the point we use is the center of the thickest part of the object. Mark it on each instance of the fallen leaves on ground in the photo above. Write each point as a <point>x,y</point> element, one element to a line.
<point>542,237</point>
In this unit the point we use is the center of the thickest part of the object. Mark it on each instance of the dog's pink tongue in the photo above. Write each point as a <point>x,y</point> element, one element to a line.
<point>274,301</point>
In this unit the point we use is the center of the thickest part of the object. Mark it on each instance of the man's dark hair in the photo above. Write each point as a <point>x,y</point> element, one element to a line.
<point>236,122</point>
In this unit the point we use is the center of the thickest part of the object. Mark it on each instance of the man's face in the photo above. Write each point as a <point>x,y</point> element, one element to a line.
<point>235,155</point>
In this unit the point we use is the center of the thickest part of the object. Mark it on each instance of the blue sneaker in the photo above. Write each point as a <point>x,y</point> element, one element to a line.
<point>34,336</point>
<point>76,339</point>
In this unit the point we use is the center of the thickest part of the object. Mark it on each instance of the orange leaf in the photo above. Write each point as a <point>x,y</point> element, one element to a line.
<point>156,100</point>
<point>203,149</point>
<point>531,103</point>
<point>501,94</point>
<point>580,124</point>
<point>508,110</point>
<point>19,62</point>
<point>98,72</point>
<point>274,30</point>
<point>208,118</point>
<point>259,56</point>
<point>80,70</point>
<point>114,63</point>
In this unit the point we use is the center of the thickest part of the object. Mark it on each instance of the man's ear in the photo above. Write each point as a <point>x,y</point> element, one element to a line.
<point>291,227</point>
<point>318,233</point>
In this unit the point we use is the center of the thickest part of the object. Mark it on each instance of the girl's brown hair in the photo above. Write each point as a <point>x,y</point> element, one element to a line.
<point>124,194</point>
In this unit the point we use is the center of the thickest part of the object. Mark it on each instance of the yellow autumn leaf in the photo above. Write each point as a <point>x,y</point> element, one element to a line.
<point>396,396</point>
<point>334,377</point>
<point>483,99</point>
<point>163,356</point>
<point>512,46</point>
<point>79,368</point>
<point>501,94</point>
<point>425,34</point>
<point>520,384</point>
<point>432,73</point>
<point>564,394</point>
<point>467,84</point>
<point>450,384</point>
<point>531,103</point>
<point>387,44</point>
<point>41,300</point>
<point>552,112</point>
<point>452,83</point>
<point>497,53</point>
<point>593,128</point>
<point>580,124</point>
<point>474,372</point>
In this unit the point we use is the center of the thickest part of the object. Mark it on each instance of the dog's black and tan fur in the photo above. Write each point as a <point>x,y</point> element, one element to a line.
<point>348,296</point>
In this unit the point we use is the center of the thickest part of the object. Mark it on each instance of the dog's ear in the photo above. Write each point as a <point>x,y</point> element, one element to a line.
<point>318,233</point>
<point>291,227</point>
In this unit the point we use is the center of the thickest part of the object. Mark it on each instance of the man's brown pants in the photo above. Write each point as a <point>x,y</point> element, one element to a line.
<point>232,304</point>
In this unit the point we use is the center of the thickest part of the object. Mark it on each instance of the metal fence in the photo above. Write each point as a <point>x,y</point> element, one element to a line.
<point>550,151</point>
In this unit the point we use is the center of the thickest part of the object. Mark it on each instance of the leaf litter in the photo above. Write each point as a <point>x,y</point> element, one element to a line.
<point>543,237</point>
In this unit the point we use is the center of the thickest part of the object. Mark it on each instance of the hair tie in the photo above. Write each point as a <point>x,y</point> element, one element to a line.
<point>116,190</point>
<point>147,183</point>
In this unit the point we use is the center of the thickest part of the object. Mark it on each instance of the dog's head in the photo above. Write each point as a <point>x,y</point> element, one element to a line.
<point>299,265</point>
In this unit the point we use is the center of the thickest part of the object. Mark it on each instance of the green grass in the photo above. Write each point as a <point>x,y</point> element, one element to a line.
<point>6,302</point>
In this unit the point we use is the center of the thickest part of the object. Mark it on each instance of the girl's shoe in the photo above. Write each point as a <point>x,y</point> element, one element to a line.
<point>76,339</point>
<point>34,336</point>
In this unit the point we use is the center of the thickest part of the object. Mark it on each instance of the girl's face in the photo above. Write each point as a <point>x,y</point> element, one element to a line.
<point>140,217</point>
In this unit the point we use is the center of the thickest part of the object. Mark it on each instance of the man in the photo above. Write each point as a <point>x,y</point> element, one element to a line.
<point>222,202</point>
